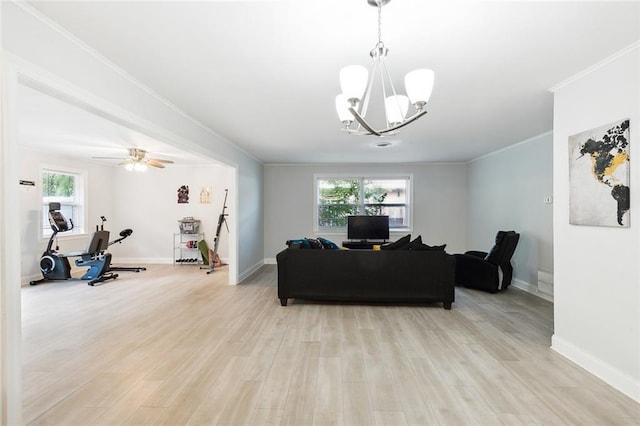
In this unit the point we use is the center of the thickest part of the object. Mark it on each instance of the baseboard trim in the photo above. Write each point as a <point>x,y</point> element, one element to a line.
<point>142,260</point>
<point>611,375</point>
<point>26,280</point>
<point>250,271</point>
<point>270,261</point>
<point>530,288</point>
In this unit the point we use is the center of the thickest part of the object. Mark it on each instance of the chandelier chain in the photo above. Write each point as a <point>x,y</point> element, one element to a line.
<point>380,43</point>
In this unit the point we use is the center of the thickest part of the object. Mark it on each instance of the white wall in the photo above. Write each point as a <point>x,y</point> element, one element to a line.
<point>597,286</point>
<point>147,203</point>
<point>505,192</point>
<point>439,202</point>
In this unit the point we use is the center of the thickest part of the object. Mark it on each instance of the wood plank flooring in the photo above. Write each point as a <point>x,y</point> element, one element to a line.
<point>176,346</point>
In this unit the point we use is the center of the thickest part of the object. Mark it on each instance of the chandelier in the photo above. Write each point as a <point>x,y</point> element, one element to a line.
<point>353,102</point>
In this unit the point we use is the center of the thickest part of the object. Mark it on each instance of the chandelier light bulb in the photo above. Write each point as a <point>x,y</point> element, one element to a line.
<point>396,107</point>
<point>419,85</point>
<point>342,106</point>
<point>353,81</point>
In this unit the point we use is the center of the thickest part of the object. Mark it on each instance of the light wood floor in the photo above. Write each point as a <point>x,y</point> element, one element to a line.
<point>176,346</point>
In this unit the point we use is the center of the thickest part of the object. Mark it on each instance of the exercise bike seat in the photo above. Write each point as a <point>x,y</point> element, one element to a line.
<point>98,243</point>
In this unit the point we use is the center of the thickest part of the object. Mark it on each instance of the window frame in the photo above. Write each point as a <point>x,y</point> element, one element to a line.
<point>362,177</point>
<point>80,201</point>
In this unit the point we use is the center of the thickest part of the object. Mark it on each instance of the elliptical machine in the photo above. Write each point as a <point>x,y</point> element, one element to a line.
<point>55,266</point>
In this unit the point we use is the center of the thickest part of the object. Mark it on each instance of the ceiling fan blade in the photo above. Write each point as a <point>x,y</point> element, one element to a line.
<point>154,163</point>
<point>137,156</point>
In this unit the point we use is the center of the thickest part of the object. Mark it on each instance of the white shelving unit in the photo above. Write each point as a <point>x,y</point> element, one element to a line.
<point>185,249</point>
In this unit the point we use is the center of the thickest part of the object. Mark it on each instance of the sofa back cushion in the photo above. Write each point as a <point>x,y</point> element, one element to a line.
<point>417,244</point>
<point>402,244</point>
<point>502,251</point>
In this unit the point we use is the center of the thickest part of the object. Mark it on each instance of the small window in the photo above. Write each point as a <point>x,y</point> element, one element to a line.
<point>67,188</point>
<point>339,197</point>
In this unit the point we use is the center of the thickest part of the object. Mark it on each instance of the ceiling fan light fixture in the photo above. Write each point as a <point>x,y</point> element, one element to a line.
<point>356,84</point>
<point>140,167</point>
<point>138,162</point>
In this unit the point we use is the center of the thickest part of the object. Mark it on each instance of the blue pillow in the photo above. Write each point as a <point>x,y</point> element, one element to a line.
<point>299,243</point>
<point>328,244</point>
<point>314,244</point>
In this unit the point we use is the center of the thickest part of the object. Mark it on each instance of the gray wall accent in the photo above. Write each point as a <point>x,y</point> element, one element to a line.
<point>439,202</point>
<point>505,192</point>
<point>250,220</point>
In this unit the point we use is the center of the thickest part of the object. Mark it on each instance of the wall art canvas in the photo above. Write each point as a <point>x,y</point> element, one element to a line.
<point>205,195</point>
<point>183,194</point>
<point>599,176</point>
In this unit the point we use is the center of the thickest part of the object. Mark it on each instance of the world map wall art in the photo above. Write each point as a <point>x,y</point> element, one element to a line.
<point>599,176</point>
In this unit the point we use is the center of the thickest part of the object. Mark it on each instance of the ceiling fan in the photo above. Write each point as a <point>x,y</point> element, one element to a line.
<point>137,161</point>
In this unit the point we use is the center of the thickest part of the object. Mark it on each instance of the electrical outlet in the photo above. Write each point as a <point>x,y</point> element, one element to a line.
<point>547,200</point>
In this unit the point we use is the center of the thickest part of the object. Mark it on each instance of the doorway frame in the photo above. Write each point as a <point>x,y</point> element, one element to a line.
<point>13,74</point>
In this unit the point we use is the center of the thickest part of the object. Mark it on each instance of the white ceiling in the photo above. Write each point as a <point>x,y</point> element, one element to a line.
<point>264,74</point>
<point>49,123</point>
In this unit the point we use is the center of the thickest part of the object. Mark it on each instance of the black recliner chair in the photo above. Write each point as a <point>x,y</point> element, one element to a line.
<point>491,271</point>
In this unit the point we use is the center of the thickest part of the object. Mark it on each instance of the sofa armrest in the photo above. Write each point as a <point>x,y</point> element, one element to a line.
<point>475,272</point>
<point>475,253</point>
<point>281,260</point>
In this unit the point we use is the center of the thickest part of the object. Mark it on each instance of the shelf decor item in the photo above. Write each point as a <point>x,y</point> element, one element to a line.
<point>186,248</point>
<point>599,176</point>
<point>189,225</point>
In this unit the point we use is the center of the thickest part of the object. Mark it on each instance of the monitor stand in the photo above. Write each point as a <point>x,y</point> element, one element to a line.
<point>365,244</point>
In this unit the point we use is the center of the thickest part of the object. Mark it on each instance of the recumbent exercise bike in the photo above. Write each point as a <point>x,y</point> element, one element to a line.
<point>55,266</point>
<point>124,234</point>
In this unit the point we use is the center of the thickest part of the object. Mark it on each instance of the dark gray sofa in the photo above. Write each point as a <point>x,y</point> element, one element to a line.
<point>400,276</point>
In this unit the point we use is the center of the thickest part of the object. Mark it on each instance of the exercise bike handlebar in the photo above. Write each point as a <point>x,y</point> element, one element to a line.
<point>56,230</point>
<point>124,234</point>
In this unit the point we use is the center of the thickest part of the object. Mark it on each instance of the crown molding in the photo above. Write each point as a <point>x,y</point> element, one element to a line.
<point>506,148</point>
<point>596,66</point>
<point>402,164</point>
